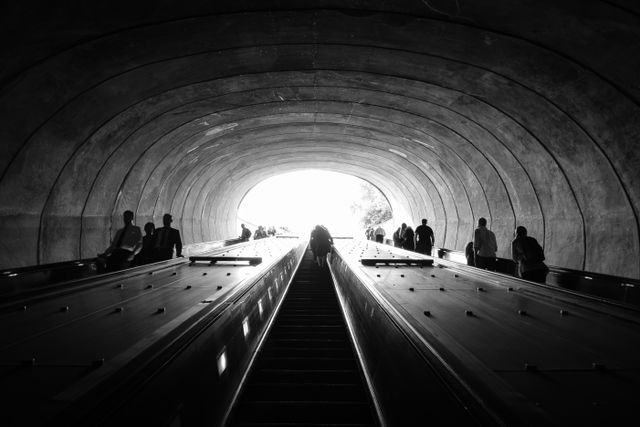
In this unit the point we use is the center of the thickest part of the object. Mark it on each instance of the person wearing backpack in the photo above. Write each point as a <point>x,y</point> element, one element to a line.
<point>529,257</point>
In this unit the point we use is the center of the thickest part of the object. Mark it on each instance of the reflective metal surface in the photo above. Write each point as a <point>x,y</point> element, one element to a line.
<point>68,354</point>
<point>529,354</point>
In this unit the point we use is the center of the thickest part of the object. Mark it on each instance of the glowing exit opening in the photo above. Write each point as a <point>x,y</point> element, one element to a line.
<point>295,202</point>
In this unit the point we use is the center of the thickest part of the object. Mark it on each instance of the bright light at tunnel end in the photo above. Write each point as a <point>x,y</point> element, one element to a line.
<point>300,200</point>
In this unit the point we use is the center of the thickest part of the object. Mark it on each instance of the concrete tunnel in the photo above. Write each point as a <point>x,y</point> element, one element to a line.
<point>526,113</point>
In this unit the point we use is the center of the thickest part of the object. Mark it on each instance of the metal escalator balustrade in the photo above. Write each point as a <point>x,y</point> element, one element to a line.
<point>608,288</point>
<point>30,281</point>
<point>306,372</point>
<point>118,351</point>
<point>511,352</point>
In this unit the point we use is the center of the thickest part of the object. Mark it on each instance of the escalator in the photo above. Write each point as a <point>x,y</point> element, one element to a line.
<point>306,373</point>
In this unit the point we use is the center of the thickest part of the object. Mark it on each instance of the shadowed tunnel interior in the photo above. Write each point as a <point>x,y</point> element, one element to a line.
<point>526,113</point>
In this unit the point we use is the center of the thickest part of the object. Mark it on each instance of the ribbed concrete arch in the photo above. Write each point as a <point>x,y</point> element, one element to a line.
<point>525,113</point>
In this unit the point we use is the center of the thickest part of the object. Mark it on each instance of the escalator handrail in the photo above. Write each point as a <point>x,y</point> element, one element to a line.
<point>588,275</point>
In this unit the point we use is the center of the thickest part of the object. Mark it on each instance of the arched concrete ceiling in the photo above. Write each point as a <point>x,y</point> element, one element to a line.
<point>526,113</point>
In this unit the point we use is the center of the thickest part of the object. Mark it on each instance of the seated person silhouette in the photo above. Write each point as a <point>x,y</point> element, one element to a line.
<point>125,245</point>
<point>166,239</point>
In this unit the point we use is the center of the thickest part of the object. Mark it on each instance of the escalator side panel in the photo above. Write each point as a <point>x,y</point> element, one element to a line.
<point>407,389</point>
<point>195,384</point>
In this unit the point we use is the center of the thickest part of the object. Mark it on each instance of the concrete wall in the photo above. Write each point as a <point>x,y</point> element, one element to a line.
<point>525,113</point>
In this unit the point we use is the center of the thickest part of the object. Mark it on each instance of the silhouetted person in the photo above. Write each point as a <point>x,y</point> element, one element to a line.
<point>403,227</point>
<point>312,242</point>
<point>484,246</point>
<point>380,233</point>
<point>146,254</point>
<point>321,242</point>
<point>469,254</point>
<point>407,237</point>
<point>424,238</point>
<point>245,234</point>
<point>529,257</point>
<point>260,233</point>
<point>397,237</point>
<point>166,239</point>
<point>369,233</point>
<point>125,245</point>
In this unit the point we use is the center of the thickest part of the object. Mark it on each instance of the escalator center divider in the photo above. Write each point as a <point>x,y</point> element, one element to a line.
<point>305,370</point>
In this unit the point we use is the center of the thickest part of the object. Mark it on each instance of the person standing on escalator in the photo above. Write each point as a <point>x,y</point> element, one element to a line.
<point>123,248</point>
<point>321,243</point>
<point>380,233</point>
<point>528,256</point>
<point>146,254</point>
<point>484,246</point>
<point>166,239</point>
<point>245,234</point>
<point>397,239</point>
<point>424,238</point>
<point>408,237</point>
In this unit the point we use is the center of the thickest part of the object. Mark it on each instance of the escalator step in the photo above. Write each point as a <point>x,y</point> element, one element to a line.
<point>305,316</point>
<point>275,351</point>
<point>304,411</point>
<point>310,329</point>
<point>305,391</point>
<point>330,311</point>
<point>298,424</point>
<point>317,363</point>
<point>278,334</point>
<point>307,342</point>
<point>275,376</point>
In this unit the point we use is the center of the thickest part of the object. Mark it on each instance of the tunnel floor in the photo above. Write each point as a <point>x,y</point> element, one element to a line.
<point>306,372</point>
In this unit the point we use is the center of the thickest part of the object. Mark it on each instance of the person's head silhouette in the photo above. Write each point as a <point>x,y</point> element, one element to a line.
<point>149,228</point>
<point>127,216</point>
<point>167,220</point>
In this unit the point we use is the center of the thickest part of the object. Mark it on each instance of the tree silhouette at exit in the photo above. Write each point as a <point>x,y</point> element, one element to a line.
<point>372,207</point>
